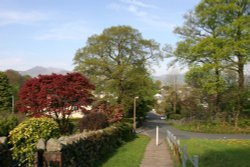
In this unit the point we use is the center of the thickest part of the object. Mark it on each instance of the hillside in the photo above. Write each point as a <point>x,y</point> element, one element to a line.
<point>35,71</point>
<point>168,79</point>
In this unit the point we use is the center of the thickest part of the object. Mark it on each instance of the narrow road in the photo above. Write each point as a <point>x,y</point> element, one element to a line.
<point>153,120</point>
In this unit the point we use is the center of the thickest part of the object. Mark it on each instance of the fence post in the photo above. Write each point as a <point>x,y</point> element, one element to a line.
<point>196,160</point>
<point>157,135</point>
<point>169,139</point>
<point>184,152</point>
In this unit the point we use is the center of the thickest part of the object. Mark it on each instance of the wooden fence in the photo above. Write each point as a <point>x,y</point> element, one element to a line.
<point>181,152</point>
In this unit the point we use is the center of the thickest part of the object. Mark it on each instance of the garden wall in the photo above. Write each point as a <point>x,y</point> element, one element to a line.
<point>83,149</point>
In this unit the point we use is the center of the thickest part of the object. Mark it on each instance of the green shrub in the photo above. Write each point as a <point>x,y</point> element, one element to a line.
<point>75,124</point>
<point>176,116</point>
<point>244,123</point>
<point>93,121</point>
<point>26,135</point>
<point>95,145</point>
<point>7,123</point>
<point>128,120</point>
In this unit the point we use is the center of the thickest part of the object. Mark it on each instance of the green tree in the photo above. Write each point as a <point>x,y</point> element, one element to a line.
<point>5,93</point>
<point>200,48</point>
<point>216,35</point>
<point>236,31</point>
<point>16,80</point>
<point>117,61</point>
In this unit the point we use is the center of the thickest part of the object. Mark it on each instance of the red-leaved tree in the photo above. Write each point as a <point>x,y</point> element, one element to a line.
<point>57,96</point>
<point>114,113</point>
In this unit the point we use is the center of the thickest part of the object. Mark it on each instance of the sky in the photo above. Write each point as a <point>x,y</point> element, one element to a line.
<point>48,32</point>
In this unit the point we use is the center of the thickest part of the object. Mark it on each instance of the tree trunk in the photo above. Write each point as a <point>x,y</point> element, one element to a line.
<point>240,90</point>
<point>218,95</point>
<point>241,79</point>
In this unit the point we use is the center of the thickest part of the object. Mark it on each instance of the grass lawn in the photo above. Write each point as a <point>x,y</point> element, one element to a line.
<point>212,128</point>
<point>128,155</point>
<point>219,153</point>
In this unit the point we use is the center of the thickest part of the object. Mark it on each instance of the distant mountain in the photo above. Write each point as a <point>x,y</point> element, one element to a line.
<point>169,79</point>
<point>35,71</point>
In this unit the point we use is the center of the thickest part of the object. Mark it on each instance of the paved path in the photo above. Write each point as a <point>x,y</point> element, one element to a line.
<point>155,156</point>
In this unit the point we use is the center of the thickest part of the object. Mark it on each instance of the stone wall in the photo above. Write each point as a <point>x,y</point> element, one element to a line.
<point>83,149</point>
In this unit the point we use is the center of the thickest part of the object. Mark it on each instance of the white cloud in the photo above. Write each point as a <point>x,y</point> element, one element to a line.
<point>142,12</point>
<point>68,31</point>
<point>20,17</point>
<point>139,4</point>
<point>133,9</point>
<point>114,6</point>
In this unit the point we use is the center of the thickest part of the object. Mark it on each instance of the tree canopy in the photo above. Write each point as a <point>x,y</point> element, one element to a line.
<point>56,95</point>
<point>5,94</point>
<point>215,39</point>
<point>117,61</point>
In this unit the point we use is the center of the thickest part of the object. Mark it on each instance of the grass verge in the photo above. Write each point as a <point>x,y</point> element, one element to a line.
<point>212,128</point>
<point>129,154</point>
<point>219,153</point>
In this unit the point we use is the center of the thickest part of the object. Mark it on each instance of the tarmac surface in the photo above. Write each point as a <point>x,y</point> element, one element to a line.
<point>154,120</point>
<point>159,156</point>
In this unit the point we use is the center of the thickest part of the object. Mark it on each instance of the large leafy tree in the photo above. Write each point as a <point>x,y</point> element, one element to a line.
<point>56,95</point>
<point>216,37</point>
<point>5,94</point>
<point>117,61</point>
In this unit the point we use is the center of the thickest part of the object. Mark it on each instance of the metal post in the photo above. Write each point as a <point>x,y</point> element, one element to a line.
<point>157,135</point>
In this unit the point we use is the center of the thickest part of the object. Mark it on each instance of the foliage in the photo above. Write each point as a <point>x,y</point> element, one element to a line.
<point>203,78</point>
<point>7,123</point>
<point>16,80</point>
<point>114,113</point>
<point>174,100</point>
<point>132,151</point>
<point>175,116</point>
<point>57,96</point>
<point>5,94</point>
<point>75,123</point>
<point>116,61</point>
<point>93,121</point>
<point>95,145</point>
<point>26,135</point>
<point>215,40</point>
<point>219,153</point>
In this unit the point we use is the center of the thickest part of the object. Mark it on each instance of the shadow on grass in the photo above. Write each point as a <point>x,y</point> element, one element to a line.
<point>104,159</point>
<point>225,158</point>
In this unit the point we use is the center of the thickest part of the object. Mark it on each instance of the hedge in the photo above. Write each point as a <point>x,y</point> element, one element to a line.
<point>85,149</point>
<point>7,123</point>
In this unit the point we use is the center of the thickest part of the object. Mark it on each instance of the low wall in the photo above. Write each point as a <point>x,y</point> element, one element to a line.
<point>83,149</point>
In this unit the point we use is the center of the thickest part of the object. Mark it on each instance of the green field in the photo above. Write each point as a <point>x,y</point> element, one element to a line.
<point>219,153</point>
<point>128,155</point>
